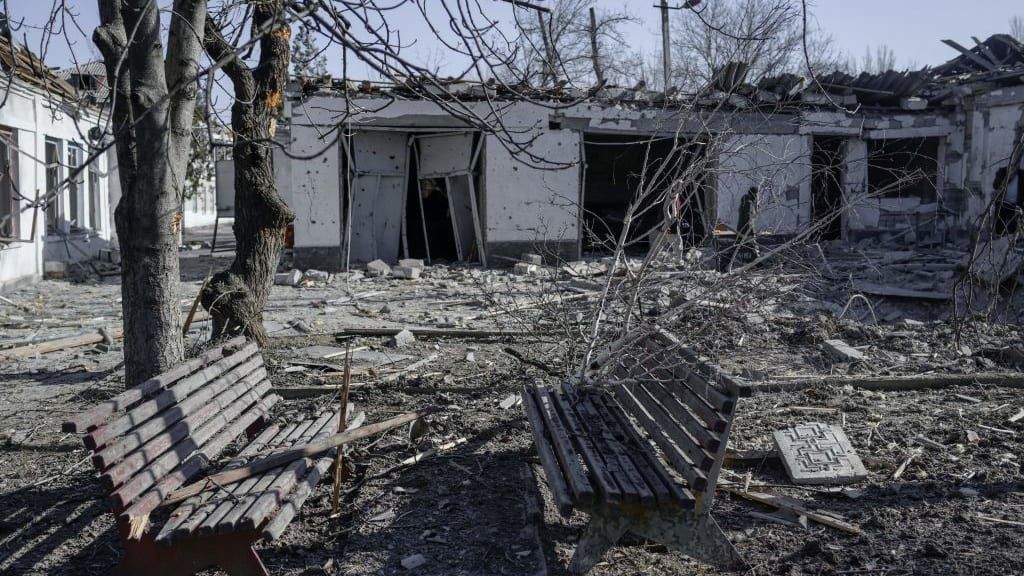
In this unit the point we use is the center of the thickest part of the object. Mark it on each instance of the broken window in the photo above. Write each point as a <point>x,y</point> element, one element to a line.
<point>9,205</point>
<point>76,192</point>
<point>95,208</point>
<point>54,211</point>
<point>903,168</point>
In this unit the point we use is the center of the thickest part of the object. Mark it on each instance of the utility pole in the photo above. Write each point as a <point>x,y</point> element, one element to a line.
<point>593,48</point>
<point>550,71</point>
<point>666,55</point>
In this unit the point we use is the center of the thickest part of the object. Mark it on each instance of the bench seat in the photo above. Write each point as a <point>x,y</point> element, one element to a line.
<point>169,431</point>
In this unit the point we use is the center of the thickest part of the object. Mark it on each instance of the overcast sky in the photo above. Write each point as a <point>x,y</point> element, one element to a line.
<point>911,28</point>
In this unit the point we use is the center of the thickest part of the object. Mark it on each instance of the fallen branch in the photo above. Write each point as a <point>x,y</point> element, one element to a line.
<point>783,504</point>
<point>421,332</point>
<point>286,456</point>
<point>913,382</point>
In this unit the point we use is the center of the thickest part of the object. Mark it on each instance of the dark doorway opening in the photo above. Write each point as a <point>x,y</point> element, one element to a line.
<point>433,223</point>
<point>616,169</point>
<point>827,187</point>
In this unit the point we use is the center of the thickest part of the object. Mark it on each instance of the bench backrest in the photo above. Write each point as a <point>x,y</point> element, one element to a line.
<point>155,437</point>
<point>686,406</point>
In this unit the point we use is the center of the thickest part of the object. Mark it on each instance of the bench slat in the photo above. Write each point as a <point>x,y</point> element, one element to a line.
<point>578,481</point>
<point>96,415</point>
<point>163,465</point>
<point>115,475</point>
<point>682,438</point>
<point>207,501</point>
<point>195,463</point>
<point>552,471</point>
<point>182,512</point>
<point>634,487</point>
<point>296,499</point>
<point>685,416</point>
<point>195,408</point>
<point>629,449</point>
<point>580,443</point>
<point>680,494</point>
<point>270,496</point>
<point>694,475</point>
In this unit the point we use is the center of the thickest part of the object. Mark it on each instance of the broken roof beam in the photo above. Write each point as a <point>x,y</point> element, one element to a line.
<point>970,55</point>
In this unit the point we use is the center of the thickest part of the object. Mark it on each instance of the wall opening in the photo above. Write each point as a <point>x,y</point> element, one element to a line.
<point>826,187</point>
<point>429,231</point>
<point>903,168</point>
<point>622,170</point>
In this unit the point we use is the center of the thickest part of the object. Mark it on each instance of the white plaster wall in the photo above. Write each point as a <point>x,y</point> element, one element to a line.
<point>527,203</point>
<point>780,167</point>
<point>32,113</point>
<point>315,186</point>
<point>991,146</point>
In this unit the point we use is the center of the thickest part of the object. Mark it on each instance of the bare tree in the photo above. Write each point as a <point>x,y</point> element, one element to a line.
<point>235,297</point>
<point>882,59</point>
<point>562,44</point>
<point>153,98</point>
<point>765,35</point>
<point>308,60</point>
<point>1017,28</point>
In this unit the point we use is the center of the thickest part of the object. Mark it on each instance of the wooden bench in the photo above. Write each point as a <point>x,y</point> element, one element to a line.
<point>164,433</point>
<point>640,452</point>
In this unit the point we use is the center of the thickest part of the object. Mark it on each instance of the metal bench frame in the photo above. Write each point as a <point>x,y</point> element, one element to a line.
<point>640,453</point>
<point>164,433</point>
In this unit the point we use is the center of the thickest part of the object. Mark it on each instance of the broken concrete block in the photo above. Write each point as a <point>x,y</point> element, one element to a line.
<point>53,269</point>
<point>316,275</point>
<point>289,278</point>
<point>412,263</point>
<point>402,339</point>
<point>378,268</point>
<point>817,453</point>
<point>842,351</point>
<point>524,269</point>
<point>407,272</point>
<point>535,259</point>
<point>413,562</point>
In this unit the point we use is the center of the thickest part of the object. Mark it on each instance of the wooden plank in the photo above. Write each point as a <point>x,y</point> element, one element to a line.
<point>604,458</point>
<point>629,474</point>
<point>682,463</point>
<point>681,495</point>
<point>197,462</point>
<point>552,471</point>
<point>97,414</point>
<point>267,497</point>
<point>682,438</point>
<point>167,462</point>
<point>119,473</point>
<point>287,512</point>
<point>186,509</point>
<point>569,461</point>
<point>685,417</point>
<point>629,447</point>
<point>580,442</point>
<point>181,417</point>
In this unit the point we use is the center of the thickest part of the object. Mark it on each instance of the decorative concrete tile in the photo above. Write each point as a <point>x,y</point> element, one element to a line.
<point>817,453</point>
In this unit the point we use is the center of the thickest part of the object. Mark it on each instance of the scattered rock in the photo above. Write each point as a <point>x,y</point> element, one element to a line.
<point>406,272</point>
<point>470,357</point>
<point>402,339</point>
<point>316,276</point>
<point>535,259</point>
<point>511,401</point>
<point>378,268</point>
<point>413,562</point>
<point>289,278</point>
<point>524,269</point>
<point>300,326</point>
<point>412,263</point>
<point>842,351</point>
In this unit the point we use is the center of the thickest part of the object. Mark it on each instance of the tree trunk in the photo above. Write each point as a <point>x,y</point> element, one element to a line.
<point>149,153</point>
<point>235,297</point>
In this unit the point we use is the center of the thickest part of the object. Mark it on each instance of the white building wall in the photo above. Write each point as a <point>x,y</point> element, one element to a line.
<point>779,166</point>
<point>31,113</point>
<point>531,202</point>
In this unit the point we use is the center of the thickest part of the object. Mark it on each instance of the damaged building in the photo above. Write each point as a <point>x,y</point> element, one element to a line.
<point>915,155</point>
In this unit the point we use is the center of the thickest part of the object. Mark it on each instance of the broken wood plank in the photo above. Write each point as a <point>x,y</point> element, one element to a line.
<point>913,382</point>
<point>897,292</point>
<point>785,504</point>
<point>281,458</point>
<point>423,331</point>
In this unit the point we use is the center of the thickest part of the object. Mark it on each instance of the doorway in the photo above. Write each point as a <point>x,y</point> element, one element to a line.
<point>827,187</point>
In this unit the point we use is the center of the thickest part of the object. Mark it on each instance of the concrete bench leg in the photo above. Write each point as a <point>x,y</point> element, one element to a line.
<point>600,534</point>
<point>697,536</point>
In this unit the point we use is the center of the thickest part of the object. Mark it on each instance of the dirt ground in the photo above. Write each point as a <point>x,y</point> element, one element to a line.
<point>483,507</point>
